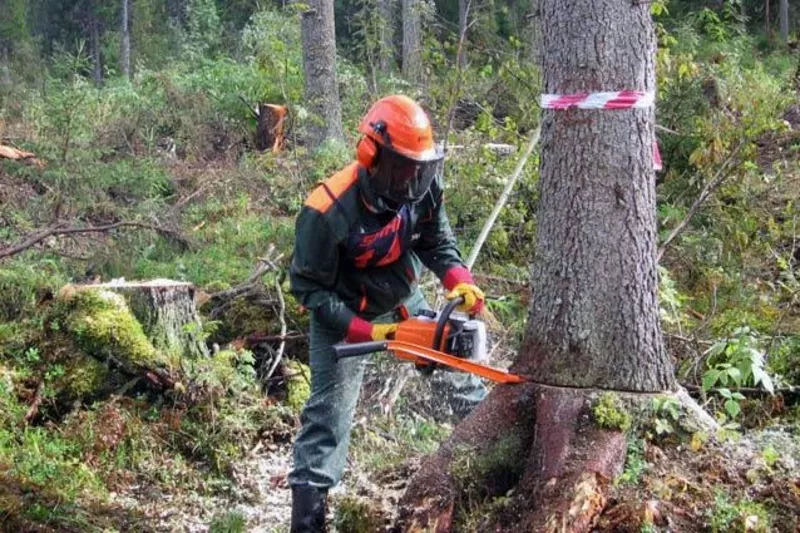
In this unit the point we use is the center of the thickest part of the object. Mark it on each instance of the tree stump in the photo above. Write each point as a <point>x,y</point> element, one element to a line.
<point>270,127</point>
<point>167,312</point>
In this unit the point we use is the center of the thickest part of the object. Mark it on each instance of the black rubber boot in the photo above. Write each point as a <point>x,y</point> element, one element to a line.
<point>309,505</point>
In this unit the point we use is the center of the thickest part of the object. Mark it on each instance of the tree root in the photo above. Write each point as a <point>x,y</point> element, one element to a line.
<point>560,468</point>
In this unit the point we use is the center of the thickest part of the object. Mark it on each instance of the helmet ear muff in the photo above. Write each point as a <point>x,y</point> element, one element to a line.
<point>367,152</point>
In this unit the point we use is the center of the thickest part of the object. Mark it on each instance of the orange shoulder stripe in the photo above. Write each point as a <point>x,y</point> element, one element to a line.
<point>320,199</point>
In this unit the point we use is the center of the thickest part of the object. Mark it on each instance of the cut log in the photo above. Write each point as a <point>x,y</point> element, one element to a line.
<point>270,127</point>
<point>166,310</point>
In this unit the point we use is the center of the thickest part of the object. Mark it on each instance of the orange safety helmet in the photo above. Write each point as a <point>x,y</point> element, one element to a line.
<point>398,149</point>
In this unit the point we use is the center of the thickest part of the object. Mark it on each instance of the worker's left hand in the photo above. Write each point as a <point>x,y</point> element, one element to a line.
<point>473,297</point>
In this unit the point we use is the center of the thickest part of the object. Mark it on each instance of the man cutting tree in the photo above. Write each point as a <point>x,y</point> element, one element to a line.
<point>362,238</point>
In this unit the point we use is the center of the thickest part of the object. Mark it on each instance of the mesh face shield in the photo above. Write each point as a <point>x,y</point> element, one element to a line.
<point>402,180</point>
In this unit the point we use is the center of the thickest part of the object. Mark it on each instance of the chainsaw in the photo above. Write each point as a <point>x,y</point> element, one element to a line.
<point>431,339</point>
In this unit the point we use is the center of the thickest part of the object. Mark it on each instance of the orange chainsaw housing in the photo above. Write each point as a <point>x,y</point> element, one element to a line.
<point>420,332</point>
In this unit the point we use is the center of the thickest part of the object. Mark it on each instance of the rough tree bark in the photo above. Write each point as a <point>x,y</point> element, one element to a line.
<point>319,63</point>
<point>412,40</point>
<point>594,322</point>
<point>125,49</point>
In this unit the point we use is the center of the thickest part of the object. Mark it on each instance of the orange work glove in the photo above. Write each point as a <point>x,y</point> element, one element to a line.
<point>473,297</point>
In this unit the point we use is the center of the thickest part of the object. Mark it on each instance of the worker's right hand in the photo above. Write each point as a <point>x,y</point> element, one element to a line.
<point>382,332</point>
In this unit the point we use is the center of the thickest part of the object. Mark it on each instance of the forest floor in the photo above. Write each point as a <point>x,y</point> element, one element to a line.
<point>733,481</point>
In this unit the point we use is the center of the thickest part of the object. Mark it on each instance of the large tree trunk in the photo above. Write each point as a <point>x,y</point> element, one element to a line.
<point>412,40</point>
<point>594,321</point>
<point>319,62</point>
<point>125,49</point>
<point>783,14</point>
<point>386,9</point>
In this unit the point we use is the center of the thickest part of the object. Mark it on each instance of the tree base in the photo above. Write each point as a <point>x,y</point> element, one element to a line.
<point>546,443</point>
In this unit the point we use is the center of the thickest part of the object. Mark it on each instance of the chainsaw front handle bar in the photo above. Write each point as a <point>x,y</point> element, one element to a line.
<point>343,350</point>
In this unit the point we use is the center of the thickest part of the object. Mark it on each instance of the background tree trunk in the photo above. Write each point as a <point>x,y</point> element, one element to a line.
<point>767,26</point>
<point>535,33</point>
<point>319,63</point>
<point>386,8</point>
<point>594,320</point>
<point>784,20</point>
<point>412,40</point>
<point>125,50</point>
<point>97,60</point>
<point>464,8</point>
<point>5,67</point>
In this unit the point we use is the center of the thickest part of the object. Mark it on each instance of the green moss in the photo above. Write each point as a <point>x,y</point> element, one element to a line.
<point>357,515</point>
<point>484,478</point>
<point>242,318</point>
<point>609,413</point>
<point>298,385</point>
<point>83,376</point>
<point>494,469</point>
<point>103,325</point>
<point>741,515</point>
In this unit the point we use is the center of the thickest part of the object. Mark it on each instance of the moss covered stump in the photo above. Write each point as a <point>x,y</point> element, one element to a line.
<point>145,329</point>
<point>166,311</point>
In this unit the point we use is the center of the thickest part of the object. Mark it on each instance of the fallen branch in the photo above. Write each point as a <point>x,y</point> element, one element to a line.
<point>487,227</point>
<point>787,392</point>
<point>264,265</point>
<point>282,319</point>
<point>710,187</point>
<point>33,410</point>
<point>257,338</point>
<point>62,229</point>
<point>7,152</point>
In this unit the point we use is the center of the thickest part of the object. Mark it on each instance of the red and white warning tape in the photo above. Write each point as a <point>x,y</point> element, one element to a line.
<point>604,100</point>
<point>601,100</point>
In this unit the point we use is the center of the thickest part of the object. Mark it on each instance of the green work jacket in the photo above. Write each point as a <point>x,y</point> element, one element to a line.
<point>350,261</point>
